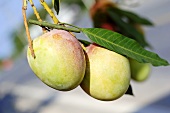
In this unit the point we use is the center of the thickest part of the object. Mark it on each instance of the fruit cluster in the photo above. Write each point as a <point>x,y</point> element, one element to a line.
<point>62,64</point>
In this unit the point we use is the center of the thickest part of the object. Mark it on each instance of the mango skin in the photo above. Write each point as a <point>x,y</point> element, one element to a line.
<point>107,74</point>
<point>139,71</point>
<point>60,61</point>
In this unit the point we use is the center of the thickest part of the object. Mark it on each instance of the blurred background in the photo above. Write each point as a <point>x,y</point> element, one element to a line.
<point>22,92</point>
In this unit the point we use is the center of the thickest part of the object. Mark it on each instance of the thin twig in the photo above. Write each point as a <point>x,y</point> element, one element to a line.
<point>55,26</point>
<point>54,18</point>
<point>24,8</point>
<point>37,14</point>
<point>62,23</point>
<point>46,7</point>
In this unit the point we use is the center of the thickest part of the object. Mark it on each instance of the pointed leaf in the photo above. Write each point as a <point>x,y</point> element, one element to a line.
<point>56,5</point>
<point>132,16</point>
<point>123,45</point>
<point>128,29</point>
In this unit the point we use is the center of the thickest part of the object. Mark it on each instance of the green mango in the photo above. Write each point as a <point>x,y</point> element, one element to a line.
<point>60,61</point>
<point>107,74</point>
<point>139,71</point>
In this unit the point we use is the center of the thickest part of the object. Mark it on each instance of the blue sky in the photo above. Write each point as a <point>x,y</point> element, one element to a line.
<point>10,19</point>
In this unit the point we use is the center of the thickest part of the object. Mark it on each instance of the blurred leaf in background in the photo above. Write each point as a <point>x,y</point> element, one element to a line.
<point>107,14</point>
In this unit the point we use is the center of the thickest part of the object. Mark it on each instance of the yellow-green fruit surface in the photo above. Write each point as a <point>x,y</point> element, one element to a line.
<point>139,71</point>
<point>60,61</point>
<point>107,74</point>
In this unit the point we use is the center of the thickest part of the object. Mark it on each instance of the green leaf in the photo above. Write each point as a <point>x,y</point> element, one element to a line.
<point>131,16</point>
<point>123,45</point>
<point>129,91</point>
<point>128,29</point>
<point>56,5</point>
<point>84,42</point>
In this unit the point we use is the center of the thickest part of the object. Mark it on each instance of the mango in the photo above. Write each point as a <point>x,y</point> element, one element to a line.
<point>60,61</point>
<point>107,74</point>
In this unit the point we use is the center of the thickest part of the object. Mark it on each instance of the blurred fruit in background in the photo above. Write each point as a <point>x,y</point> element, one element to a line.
<point>139,71</point>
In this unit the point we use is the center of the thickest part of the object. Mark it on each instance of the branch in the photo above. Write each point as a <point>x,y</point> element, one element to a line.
<point>54,18</point>
<point>36,14</point>
<point>24,7</point>
<point>54,26</point>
